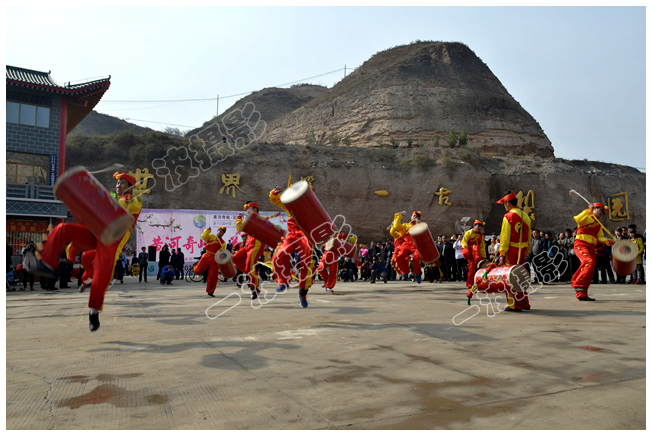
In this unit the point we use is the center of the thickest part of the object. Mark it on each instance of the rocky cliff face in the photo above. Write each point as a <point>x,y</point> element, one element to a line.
<point>417,90</point>
<point>346,178</point>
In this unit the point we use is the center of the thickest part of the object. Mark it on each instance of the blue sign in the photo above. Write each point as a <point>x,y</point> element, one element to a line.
<point>53,168</point>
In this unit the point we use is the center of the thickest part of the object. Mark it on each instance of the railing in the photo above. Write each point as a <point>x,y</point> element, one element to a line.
<point>30,191</point>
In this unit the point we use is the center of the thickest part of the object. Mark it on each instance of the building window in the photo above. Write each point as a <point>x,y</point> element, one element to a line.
<point>22,166</point>
<point>28,114</point>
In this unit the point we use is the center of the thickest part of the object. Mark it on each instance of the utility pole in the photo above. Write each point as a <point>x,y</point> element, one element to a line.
<point>217,110</point>
<point>345,71</point>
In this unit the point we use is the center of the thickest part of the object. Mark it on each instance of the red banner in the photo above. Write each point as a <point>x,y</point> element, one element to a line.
<point>27,226</point>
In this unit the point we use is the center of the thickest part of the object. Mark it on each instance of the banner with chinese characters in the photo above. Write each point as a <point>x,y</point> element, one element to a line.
<point>27,226</point>
<point>183,228</point>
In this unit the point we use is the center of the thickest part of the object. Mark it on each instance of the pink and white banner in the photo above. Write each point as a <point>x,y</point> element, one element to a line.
<point>183,228</point>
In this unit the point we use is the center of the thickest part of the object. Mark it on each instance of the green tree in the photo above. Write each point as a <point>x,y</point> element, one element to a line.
<point>334,139</point>
<point>451,139</point>
<point>394,142</point>
<point>435,140</point>
<point>463,138</point>
<point>421,142</point>
<point>311,139</point>
<point>347,140</point>
<point>409,141</point>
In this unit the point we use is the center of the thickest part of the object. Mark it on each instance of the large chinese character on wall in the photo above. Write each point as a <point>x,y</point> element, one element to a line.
<point>618,205</point>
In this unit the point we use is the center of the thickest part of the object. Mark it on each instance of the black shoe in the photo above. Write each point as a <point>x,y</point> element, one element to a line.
<point>93,321</point>
<point>64,287</point>
<point>210,294</point>
<point>254,294</point>
<point>526,308</point>
<point>37,266</point>
<point>587,298</point>
<point>372,282</point>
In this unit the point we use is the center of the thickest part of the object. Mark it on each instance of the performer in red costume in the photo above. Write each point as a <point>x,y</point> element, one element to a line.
<point>514,245</point>
<point>329,265</point>
<point>294,241</point>
<point>473,250</point>
<point>213,245</point>
<point>106,255</point>
<point>408,247</point>
<point>399,240</point>
<point>245,259</point>
<point>589,232</point>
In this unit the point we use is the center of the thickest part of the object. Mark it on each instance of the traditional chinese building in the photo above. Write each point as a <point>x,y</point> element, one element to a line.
<point>40,113</point>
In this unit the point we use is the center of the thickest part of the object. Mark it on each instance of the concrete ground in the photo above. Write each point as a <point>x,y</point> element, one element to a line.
<point>381,356</point>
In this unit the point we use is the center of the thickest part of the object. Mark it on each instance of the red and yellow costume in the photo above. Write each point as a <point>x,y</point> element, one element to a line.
<point>589,232</point>
<point>407,247</point>
<point>399,240</point>
<point>329,263</point>
<point>295,240</point>
<point>213,245</point>
<point>473,250</point>
<point>245,258</point>
<point>105,256</point>
<point>515,246</point>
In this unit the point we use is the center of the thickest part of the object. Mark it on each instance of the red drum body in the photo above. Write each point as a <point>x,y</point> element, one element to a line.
<point>513,278</point>
<point>424,242</point>
<point>306,209</point>
<point>223,259</point>
<point>624,254</point>
<point>91,204</point>
<point>340,247</point>
<point>262,230</point>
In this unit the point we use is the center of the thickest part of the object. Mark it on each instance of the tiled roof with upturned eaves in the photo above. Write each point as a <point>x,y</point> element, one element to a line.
<point>40,78</point>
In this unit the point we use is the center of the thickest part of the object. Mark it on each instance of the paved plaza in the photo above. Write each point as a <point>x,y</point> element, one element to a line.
<point>373,356</point>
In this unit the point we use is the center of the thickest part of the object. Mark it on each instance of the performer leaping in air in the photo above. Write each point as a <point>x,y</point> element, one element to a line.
<point>106,255</point>
<point>295,240</point>
<point>408,247</point>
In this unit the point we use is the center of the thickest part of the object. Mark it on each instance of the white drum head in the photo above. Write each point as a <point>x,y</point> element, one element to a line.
<point>624,250</point>
<point>418,229</point>
<point>519,279</point>
<point>294,192</point>
<point>223,257</point>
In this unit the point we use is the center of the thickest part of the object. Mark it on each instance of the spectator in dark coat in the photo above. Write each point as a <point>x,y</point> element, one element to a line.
<point>179,264</point>
<point>163,260</point>
<point>449,266</point>
<point>143,261</point>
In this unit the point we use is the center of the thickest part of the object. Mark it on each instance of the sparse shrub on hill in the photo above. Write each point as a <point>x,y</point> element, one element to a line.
<point>449,162</point>
<point>347,140</point>
<point>421,142</point>
<point>422,161</point>
<point>451,139</point>
<point>405,164</point>
<point>409,141</point>
<point>463,139</point>
<point>379,142</point>
<point>334,139</point>
<point>469,156</point>
<point>310,138</point>
<point>394,143</point>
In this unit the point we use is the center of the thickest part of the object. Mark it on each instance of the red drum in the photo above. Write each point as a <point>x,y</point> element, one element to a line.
<point>308,212</point>
<point>624,254</point>
<point>340,247</point>
<point>425,243</point>
<point>261,229</point>
<point>223,259</point>
<point>513,278</point>
<point>91,204</point>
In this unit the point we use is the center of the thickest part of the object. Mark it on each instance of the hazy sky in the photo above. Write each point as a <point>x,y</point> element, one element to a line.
<point>580,71</point>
